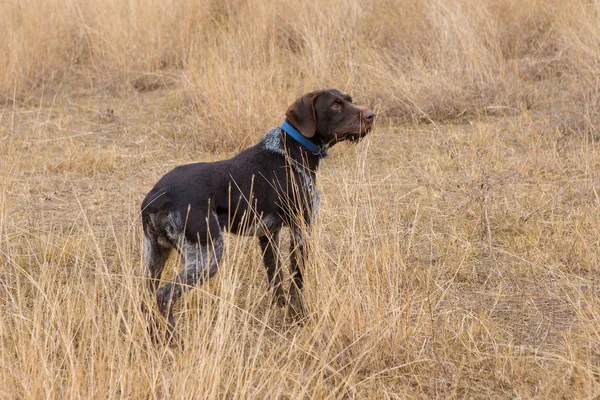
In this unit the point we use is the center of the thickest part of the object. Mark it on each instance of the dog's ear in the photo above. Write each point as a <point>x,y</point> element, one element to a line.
<point>302,116</point>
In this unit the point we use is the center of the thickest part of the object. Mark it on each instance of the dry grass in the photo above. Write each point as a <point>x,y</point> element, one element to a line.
<point>457,250</point>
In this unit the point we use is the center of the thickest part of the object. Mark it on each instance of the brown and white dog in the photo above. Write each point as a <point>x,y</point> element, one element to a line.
<point>264,188</point>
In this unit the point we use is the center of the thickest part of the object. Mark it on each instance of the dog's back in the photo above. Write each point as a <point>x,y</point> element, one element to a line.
<point>226,188</point>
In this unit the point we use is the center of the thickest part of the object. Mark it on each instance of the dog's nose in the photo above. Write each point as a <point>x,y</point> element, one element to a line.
<point>369,115</point>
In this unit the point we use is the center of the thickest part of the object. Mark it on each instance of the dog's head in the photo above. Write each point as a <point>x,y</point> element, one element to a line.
<point>328,116</point>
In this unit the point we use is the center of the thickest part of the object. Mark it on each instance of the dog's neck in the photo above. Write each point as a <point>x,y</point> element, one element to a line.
<point>277,141</point>
<point>299,154</point>
<point>308,143</point>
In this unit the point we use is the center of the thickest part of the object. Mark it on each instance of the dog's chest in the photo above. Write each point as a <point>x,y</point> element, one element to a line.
<point>309,185</point>
<point>304,180</point>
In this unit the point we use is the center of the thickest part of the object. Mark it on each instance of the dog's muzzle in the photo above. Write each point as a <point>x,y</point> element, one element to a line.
<point>366,125</point>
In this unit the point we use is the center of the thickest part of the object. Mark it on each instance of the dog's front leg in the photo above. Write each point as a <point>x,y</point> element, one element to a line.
<point>298,258</point>
<point>269,245</point>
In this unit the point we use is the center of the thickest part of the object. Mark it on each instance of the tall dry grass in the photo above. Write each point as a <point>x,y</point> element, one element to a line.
<point>238,61</point>
<point>456,251</point>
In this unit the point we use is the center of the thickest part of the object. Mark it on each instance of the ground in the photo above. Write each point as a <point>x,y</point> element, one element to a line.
<point>454,259</point>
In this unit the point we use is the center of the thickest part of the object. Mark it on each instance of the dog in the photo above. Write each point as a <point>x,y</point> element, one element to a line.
<point>258,192</point>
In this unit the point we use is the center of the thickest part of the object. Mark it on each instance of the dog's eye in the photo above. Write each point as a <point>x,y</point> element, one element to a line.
<point>336,106</point>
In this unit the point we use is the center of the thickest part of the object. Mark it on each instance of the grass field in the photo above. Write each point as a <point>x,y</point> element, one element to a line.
<point>457,249</point>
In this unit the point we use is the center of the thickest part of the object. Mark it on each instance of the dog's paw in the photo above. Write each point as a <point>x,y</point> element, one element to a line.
<point>145,309</point>
<point>154,327</point>
<point>173,338</point>
<point>297,312</point>
<point>298,319</point>
<point>279,300</point>
<point>162,330</point>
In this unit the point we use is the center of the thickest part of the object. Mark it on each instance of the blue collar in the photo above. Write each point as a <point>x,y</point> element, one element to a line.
<point>304,142</point>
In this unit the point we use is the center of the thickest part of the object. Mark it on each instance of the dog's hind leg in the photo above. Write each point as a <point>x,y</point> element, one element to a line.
<point>155,257</point>
<point>200,260</point>
<point>269,245</point>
